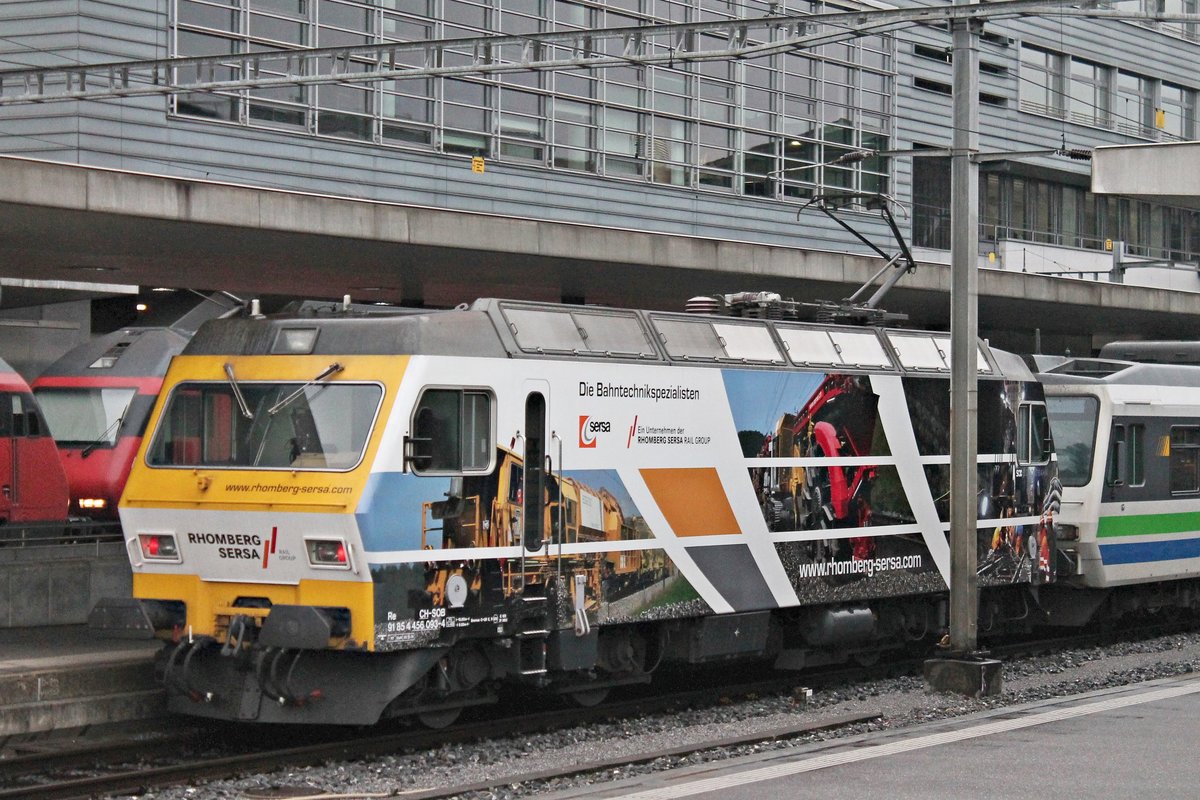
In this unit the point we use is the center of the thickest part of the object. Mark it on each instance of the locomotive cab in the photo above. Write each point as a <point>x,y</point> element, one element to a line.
<point>1127,446</point>
<point>252,462</point>
<point>97,399</point>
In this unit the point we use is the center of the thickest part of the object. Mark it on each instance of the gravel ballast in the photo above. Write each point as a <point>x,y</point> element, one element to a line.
<point>901,702</point>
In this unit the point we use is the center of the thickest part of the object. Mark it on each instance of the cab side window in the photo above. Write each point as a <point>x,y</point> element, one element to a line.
<point>25,419</point>
<point>452,432</point>
<point>1033,434</point>
<point>1135,456</point>
<point>6,415</point>
<point>1185,464</point>
<point>1126,456</point>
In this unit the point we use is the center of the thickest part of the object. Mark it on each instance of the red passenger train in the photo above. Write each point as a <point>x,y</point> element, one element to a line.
<point>97,399</point>
<point>33,486</point>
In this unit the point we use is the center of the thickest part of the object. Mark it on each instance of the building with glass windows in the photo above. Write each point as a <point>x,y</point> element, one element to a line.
<point>729,149</point>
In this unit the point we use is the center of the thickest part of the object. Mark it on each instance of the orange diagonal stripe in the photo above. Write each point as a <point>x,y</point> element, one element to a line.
<point>693,501</point>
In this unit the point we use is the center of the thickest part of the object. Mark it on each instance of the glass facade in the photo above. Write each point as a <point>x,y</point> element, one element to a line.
<point>771,126</point>
<point>1049,212</point>
<point>1038,208</point>
<point>1088,93</point>
<point>1042,81</point>
<point>1187,30</point>
<point>767,126</point>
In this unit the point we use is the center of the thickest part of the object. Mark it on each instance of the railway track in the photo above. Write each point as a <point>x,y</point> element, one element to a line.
<point>53,775</point>
<point>191,756</point>
<point>145,778</point>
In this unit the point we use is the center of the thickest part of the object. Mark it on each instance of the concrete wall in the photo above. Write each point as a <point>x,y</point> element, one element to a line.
<point>33,338</point>
<point>59,585</point>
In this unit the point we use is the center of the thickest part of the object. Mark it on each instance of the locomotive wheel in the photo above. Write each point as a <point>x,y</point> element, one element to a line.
<point>436,720</point>
<point>817,507</point>
<point>587,698</point>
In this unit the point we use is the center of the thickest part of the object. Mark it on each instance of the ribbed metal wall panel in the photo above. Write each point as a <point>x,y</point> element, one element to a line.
<point>924,116</point>
<point>138,134</point>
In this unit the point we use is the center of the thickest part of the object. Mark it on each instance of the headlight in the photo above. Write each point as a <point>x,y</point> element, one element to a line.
<point>159,547</point>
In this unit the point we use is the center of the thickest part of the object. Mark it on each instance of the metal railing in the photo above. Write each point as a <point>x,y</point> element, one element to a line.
<point>58,534</point>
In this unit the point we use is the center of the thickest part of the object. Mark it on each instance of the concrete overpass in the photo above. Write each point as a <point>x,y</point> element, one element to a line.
<point>62,222</point>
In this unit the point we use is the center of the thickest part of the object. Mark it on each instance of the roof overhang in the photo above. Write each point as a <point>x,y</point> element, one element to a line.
<point>1165,173</point>
<point>71,223</point>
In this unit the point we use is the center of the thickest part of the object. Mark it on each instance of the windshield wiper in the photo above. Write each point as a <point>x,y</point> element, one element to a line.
<point>103,437</point>
<point>332,369</point>
<point>237,392</point>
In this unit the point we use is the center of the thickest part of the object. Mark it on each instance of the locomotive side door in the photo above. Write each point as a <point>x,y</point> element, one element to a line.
<point>536,593</point>
<point>539,493</point>
<point>34,485</point>
<point>8,460</point>
<point>533,492</point>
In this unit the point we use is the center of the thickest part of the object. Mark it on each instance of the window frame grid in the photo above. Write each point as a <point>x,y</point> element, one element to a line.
<point>668,147</point>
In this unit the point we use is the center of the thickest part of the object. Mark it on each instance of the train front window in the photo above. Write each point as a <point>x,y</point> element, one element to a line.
<point>324,426</point>
<point>1073,424</point>
<point>85,416</point>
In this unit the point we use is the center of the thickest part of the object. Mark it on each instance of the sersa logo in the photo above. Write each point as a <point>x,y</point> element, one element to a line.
<point>588,428</point>
<point>240,545</point>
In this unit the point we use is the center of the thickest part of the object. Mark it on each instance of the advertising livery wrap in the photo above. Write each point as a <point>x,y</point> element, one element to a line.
<point>732,491</point>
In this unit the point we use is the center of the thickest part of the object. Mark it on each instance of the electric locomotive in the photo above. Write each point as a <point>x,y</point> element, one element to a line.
<point>33,486</point>
<point>97,399</point>
<point>336,518</point>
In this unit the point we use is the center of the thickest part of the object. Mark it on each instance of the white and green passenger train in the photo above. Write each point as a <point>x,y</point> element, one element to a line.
<point>1128,442</point>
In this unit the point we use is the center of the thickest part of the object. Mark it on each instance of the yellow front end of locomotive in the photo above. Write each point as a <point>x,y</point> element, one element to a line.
<point>242,500</point>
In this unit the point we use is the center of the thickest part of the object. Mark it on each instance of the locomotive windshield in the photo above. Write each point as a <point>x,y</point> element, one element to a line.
<point>280,425</point>
<point>85,416</point>
<point>1073,424</point>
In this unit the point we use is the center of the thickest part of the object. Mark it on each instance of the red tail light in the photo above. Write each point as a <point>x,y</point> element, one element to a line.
<point>331,553</point>
<point>159,547</point>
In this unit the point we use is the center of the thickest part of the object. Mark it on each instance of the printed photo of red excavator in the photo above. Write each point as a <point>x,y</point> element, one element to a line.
<point>838,420</point>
